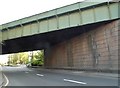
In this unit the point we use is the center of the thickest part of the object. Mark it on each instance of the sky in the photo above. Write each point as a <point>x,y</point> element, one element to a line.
<point>11,10</point>
<point>3,59</point>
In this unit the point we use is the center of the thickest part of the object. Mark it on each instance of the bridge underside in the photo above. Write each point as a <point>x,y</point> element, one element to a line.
<point>93,46</point>
<point>42,41</point>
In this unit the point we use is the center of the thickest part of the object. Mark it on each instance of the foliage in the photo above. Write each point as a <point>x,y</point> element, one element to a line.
<point>22,58</point>
<point>38,59</point>
<point>18,58</point>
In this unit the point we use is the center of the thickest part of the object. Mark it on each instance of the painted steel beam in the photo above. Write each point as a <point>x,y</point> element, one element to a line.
<point>77,14</point>
<point>0,34</point>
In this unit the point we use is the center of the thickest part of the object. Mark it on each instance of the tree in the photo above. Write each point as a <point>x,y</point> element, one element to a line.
<point>18,58</point>
<point>22,58</point>
<point>38,58</point>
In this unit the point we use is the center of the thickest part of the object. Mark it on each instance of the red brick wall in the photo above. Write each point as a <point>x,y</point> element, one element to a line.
<point>96,49</point>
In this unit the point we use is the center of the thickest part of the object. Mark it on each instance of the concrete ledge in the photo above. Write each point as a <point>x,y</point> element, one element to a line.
<point>89,70</point>
<point>110,71</point>
<point>81,73</point>
<point>35,66</point>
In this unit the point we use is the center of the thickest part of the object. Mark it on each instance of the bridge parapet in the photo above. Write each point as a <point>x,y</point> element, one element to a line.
<point>77,14</point>
<point>0,34</point>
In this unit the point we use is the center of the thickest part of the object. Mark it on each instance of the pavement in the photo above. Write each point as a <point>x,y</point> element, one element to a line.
<point>22,76</point>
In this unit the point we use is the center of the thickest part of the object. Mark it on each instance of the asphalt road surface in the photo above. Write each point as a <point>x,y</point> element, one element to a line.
<point>23,76</point>
<point>1,78</point>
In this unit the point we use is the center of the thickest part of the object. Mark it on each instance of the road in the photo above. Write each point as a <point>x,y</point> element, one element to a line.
<point>23,76</point>
<point>1,78</point>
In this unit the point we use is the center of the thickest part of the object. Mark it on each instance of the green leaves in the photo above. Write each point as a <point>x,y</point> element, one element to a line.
<point>22,58</point>
<point>18,58</point>
<point>38,58</point>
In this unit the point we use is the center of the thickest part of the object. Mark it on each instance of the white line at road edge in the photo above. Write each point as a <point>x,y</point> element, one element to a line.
<point>6,80</point>
<point>73,81</point>
<point>39,75</point>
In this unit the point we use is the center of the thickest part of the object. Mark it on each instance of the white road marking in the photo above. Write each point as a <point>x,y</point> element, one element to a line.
<point>78,72</point>
<point>39,75</point>
<point>30,70</point>
<point>73,81</point>
<point>6,80</point>
<point>26,72</point>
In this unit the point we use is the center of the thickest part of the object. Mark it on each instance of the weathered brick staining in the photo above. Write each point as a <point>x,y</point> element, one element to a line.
<point>96,49</point>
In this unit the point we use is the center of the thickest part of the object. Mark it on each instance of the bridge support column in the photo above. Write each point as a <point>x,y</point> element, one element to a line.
<point>0,48</point>
<point>87,51</point>
<point>47,52</point>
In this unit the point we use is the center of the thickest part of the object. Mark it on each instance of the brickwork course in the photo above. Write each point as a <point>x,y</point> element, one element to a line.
<point>96,49</point>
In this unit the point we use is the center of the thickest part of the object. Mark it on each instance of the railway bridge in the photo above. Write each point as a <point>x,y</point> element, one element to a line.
<point>81,36</point>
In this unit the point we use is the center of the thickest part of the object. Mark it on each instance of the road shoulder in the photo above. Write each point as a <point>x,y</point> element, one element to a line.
<point>81,73</point>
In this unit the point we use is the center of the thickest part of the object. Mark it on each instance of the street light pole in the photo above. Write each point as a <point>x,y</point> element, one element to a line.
<point>30,57</point>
